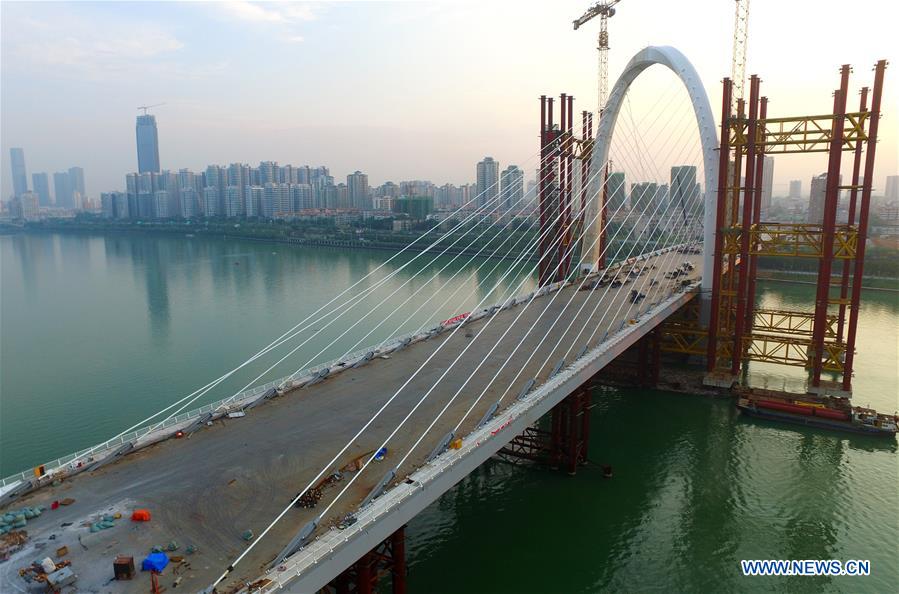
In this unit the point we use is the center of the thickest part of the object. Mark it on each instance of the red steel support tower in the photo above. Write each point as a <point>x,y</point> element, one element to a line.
<point>738,331</point>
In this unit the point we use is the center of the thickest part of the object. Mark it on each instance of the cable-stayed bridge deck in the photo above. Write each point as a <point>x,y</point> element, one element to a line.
<point>208,489</point>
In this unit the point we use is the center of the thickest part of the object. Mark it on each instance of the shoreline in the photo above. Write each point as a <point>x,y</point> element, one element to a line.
<point>770,274</point>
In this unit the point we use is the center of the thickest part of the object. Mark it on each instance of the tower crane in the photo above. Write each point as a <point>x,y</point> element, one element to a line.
<point>604,9</point>
<point>738,68</point>
<point>146,107</point>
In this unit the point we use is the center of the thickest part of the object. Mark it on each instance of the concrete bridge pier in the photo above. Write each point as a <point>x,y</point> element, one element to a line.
<point>363,576</point>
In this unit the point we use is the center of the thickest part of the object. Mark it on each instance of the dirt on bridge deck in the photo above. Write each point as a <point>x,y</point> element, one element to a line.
<point>207,490</point>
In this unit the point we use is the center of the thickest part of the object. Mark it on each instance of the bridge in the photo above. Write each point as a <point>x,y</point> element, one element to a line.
<point>306,482</point>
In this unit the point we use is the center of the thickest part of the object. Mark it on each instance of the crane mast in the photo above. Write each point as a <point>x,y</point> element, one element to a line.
<point>738,68</point>
<point>604,10</point>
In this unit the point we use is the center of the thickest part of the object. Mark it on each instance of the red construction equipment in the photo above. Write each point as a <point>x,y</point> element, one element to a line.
<point>738,332</point>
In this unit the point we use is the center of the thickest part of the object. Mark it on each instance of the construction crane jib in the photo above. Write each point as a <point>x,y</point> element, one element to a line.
<point>603,10</point>
<point>146,107</point>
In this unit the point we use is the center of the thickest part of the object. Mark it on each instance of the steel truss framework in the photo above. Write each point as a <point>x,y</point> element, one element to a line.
<point>559,149</point>
<point>564,444</point>
<point>388,559</point>
<point>822,340</point>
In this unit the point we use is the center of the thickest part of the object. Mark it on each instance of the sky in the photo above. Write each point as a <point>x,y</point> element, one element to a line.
<point>399,90</point>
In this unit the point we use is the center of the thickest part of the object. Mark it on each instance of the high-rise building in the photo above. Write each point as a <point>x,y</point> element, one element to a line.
<point>616,193</point>
<point>147,144</point>
<point>76,178</point>
<point>643,195</point>
<point>796,189</point>
<point>268,173</point>
<point>114,205</point>
<point>233,203</point>
<point>161,204</point>
<point>239,177</point>
<point>62,189</point>
<point>190,203</point>
<point>767,184</point>
<point>357,188</point>
<point>217,177</point>
<point>512,187</point>
<point>891,191</point>
<point>302,197</point>
<point>343,196</point>
<point>211,202</point>
<point>275,199</point>
<point>816,198</point>
<point>253,204</point>
<point>683,187</point>
<point>487,181</point>
<point>19,174</point>
<point>41,183</point>
<point>25,206</point>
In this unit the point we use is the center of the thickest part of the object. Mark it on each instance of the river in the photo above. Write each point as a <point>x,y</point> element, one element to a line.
<point>100,331</point>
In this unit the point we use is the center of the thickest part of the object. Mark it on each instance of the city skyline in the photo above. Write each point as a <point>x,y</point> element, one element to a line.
<point>389,134</point>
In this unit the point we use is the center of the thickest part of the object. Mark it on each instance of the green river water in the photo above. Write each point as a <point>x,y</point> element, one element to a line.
<point>97,332</point>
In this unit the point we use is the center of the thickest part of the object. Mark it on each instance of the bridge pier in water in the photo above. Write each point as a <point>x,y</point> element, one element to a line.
<point>363,576</point>
<point>565,444</point>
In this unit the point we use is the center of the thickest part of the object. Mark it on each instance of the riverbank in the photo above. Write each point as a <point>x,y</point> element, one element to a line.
<point>872,283</point>
<point>320,237</point>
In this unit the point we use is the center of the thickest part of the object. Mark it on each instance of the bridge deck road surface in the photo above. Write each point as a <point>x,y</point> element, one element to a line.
<point>208,489</point>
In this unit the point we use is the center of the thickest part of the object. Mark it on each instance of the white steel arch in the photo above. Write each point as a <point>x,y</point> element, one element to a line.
<point>675,61</point>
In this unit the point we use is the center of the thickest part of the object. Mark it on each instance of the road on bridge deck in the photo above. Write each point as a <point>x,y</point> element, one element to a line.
<point>208,489</point>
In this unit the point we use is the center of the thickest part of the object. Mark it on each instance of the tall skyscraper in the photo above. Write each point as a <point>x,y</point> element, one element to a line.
<point>19,175</point>
<point>767,183</point>
<point>616,192</point>
<point>210,202</point>
<point>891,191</point>
<point>76,179</point>
<point>816,198</point>
<point>217,177</point>
<point>234,205</point>
<point>643,196</point>
<point>796,189</point>
<point>683,187</point>
<point>487,181</point>
<point>62,188</point>
<point>512,187</point>
<point>41,183</point>
<point>147,144</point>
<point>357,186</point>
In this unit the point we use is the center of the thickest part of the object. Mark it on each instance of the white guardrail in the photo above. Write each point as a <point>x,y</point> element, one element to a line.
<point>77,461</point>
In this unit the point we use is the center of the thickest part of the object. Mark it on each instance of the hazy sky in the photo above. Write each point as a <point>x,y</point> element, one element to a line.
<point>400,90</point>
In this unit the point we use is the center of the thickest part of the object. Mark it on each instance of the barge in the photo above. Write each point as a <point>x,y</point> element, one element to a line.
<point>824,412</point>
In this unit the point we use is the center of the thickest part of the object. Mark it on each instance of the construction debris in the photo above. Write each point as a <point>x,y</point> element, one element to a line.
<point>310,498</point>
<point>16,519</point>
<point>12,542</point>
<point>123,567</point>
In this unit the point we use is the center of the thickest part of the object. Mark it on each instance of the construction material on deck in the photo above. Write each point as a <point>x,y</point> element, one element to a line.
<point>123,567</point>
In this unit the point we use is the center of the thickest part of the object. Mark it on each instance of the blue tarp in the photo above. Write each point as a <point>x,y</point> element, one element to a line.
<point>155,562</point>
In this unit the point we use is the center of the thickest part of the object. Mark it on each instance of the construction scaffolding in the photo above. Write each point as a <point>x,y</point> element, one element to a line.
<point>822,340</point>
<point>560,148</point>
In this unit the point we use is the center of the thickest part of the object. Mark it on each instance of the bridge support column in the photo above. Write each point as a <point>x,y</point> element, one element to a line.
<point>362,577</point>
<point>565,444</point>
